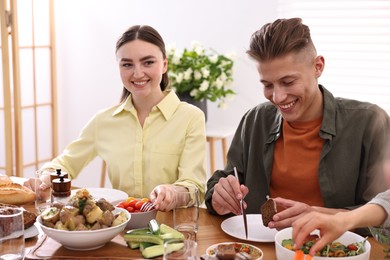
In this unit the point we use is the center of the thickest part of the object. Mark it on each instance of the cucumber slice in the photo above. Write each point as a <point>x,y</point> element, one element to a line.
<point>166,232</point>
<point>147,237</point>
<point>158,250</point>
<point>133,245</point>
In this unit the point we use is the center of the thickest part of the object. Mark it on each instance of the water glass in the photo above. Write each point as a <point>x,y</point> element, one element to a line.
<point>180,250</point>
<point>11,233</point>
<point>42,189</point>
<point>185,217</point>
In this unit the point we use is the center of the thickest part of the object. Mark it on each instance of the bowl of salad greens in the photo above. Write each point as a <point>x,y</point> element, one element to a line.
<point>349,245</point>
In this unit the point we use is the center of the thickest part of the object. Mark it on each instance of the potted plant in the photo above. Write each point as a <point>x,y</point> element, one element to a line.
<point>200,75</point>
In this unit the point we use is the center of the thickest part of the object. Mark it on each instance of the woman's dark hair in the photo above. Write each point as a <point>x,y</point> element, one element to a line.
<point>148,34</point>
<point>281,37</point>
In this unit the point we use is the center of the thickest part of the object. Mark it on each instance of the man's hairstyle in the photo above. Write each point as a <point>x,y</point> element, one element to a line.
<point>279,38</point>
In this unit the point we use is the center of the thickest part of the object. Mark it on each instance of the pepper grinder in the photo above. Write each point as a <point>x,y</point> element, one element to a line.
<point>61,190</point>
<point>58,174</point>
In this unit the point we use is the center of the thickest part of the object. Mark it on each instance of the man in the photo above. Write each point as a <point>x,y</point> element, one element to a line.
<point>305,148</point>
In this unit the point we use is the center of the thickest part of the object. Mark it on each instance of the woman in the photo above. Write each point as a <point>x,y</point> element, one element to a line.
<point>151,142</point>
<point>375,213</point>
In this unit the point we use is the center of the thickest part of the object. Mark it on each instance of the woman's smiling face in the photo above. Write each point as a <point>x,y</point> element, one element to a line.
<point>141,66</point>
<point>290,83</point>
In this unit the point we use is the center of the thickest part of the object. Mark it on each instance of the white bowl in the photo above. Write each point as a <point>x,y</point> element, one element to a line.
<point>283,253</point>
<point>141,219</point>
<point>85,240</point>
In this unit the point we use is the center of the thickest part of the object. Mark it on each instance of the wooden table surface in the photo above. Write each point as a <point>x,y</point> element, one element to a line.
<point>209,233</point>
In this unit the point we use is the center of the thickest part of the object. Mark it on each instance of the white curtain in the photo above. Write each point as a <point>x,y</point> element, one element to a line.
<point>354,38</point>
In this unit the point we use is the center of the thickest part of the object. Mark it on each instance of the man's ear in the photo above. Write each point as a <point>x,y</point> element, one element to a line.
<point>319,64</point>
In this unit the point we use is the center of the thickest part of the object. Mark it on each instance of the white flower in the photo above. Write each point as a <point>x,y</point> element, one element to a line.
<point>214,58</point>
<point>194,92</point>
<point>205,72</point>
<point>222,105</point>
<point>219,83</point>
<point>196,44</point>
<point>176,57</point>
<point>197,75</point>
<point>188,74</point>
<point>179,77</point>
<point>204,86</point>
<point>223,76</point>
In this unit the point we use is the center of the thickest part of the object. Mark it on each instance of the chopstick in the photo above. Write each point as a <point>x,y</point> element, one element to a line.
<point>235,173</point>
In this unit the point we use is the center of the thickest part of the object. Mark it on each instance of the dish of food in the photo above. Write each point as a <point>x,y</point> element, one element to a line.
<point>283,249</point>
<point>228,250</point>
<point>84,223</point>
<point>111,195</point>
<point>257,232</point>
<point>334,249</point>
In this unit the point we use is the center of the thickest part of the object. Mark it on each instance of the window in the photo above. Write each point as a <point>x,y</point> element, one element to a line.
<point>354,38</point>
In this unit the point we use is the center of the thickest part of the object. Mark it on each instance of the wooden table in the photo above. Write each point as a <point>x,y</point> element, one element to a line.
<point>209,233</point>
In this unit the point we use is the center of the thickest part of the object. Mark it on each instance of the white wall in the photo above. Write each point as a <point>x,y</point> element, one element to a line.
<point>88,78</point>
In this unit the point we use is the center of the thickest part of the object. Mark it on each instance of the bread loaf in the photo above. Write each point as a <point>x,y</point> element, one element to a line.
<point>16,194</point>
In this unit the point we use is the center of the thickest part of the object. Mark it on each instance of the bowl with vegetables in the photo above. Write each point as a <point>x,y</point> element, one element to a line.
<point>83,223</point>
<point>349,245</point>
<point>141,209</point>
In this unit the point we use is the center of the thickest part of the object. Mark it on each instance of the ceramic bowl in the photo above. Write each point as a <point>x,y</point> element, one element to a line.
<point>283,253</point>
<point>141,219</point>
<point>85,240</point>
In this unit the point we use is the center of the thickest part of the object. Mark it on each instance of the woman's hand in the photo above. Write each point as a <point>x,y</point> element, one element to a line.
<point>227,195</point>
<point>330,226</point>
<point>165,197</point>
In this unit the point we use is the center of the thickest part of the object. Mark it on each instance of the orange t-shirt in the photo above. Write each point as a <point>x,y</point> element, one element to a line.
<point>295,165</point>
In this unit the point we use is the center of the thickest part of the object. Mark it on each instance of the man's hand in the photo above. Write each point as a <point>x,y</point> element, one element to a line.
<point>227,195</point>
<point>292,211</point>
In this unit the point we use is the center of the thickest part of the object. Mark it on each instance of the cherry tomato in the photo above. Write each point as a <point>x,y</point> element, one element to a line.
<point>138,205</point>
<point>130,209</point>
<point>352,247</point>
<point>145,200</point>
<point>132,203</point>
<point>129,199</point>
<point>121,205</point>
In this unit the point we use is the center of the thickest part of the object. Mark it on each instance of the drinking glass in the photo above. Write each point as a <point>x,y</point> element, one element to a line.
<point>185,216</point>
<point>180,250</point>
<point>382,235</point>
<point>11,233</point>
<point>42,190</point>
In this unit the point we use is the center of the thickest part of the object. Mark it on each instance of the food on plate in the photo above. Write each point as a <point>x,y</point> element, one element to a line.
<point>28,216</point>
<point>268,210</point>
<point>134,205</point>
<point>150,241</point>
<point>334,249</point>
<point>82,212</point>
<point>14,193</point>
<point>234,250</point>
<point>226,252</point>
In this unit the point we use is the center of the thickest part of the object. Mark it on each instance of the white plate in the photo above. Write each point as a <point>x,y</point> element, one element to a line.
<point>31,232</point>
<point>257,232</point>
<point>109,194</point>
<point>210,251</point>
